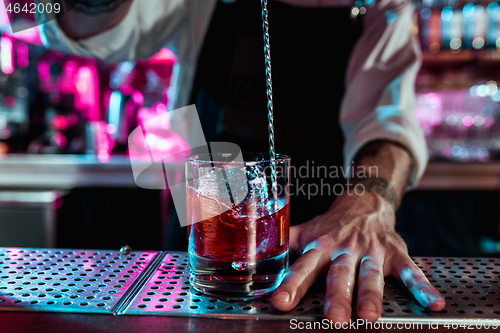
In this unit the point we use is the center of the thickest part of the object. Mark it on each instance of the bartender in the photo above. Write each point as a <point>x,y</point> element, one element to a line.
<point>343,81</point>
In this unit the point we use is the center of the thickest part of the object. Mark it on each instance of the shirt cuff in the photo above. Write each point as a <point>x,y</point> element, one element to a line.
<point>402,131</point>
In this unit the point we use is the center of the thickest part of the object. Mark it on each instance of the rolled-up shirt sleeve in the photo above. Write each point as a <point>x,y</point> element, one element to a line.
<point>379,101</point>
<point>146,28</point>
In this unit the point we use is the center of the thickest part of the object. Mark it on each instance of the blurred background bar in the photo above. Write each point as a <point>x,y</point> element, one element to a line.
<point>65,122</point>
<point>455,207</point>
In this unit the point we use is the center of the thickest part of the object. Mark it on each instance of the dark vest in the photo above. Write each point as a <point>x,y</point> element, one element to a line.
<point>310,48</point>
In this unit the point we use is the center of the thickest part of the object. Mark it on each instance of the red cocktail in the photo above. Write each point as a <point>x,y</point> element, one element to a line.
<point>238,231</point>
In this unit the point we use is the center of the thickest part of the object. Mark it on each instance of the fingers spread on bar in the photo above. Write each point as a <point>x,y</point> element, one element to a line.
<point>300,276</point>
<point>339,288</point>
<point>415,280</point>
<point>370,288</point>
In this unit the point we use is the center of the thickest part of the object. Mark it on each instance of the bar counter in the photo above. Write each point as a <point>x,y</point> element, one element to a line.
<point>70,171</point>
<point>78,323</point>
<point>49,290</point>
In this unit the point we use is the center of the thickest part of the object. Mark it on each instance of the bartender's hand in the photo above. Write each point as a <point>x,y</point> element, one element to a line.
<point>356,245</point>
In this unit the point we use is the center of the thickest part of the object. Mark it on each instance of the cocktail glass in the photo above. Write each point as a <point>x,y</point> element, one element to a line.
<point>238,223</point>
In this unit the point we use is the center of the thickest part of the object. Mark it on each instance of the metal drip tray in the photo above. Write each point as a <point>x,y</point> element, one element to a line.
<point>157,284</point>
<point>470,286</point>
<point>167,293</point>
<point>67,280</point>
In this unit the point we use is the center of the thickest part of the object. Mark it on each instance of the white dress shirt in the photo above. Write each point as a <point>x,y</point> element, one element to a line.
<point>379,100</point>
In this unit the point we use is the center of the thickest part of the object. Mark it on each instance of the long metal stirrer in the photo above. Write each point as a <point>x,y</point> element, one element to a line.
<point>270,117</point>
<point>269,81</point>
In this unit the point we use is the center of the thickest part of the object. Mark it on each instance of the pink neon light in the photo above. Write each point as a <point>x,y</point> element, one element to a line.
<point>23,60</point>
<point>138,98</point>
<point>87,86</point>
<point>67,81</point>
<point>46,84</point>
<point>60,140</point>
<point>9,101</point>
<point>489,121</point>
<point>43,69</point>
<point>7,54</point>
<point>468,121</point>
<point>164,144</point>
<point>60,122</point>
<point>111,128</point>
<point>160,140</point>
<point>103,155</point>
<point>161,108</point>
<point>85,72</point>
<point>446,150</point>
<point>103,145</point>
<point>151,139</point>
<point>164,55</point>
<point>72,120</point>
<point>81,86</point>
<point>5,134</point>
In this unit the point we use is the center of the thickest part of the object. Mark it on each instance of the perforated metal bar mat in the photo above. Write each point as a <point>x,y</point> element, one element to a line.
<point>168,293</point>
<point>87,281</point>
<point>470,286</point>
<point>157,284</point>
